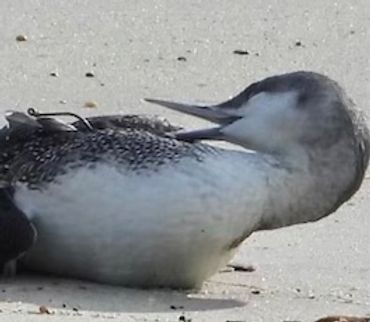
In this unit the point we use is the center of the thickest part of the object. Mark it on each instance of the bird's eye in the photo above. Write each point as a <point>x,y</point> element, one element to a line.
<point>302,99</point>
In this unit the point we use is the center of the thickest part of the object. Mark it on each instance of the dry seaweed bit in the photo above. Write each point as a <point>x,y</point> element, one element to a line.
<point>242,268</point>
<point>183,318</point>
<point>241,52</point>
<point>44,310</point>
<point>21,38</point>
<point>342,318</point>
<point>298,43</point>
<point>256,292</point>
<point>89,74</point>
<point>181,58</point>
<point>91,104</point>
<point>54,74</point>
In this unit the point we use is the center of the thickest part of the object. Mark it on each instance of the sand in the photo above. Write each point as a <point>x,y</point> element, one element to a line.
<point>186,50</point>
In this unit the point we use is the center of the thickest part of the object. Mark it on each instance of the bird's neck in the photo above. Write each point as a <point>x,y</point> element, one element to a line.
<point>304,186</point>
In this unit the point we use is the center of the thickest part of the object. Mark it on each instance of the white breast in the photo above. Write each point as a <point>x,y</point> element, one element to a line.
<point>166,228</point>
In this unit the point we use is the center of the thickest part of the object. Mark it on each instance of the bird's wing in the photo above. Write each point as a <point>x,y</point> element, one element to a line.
<point>22,125</point>
<point>152,124</point>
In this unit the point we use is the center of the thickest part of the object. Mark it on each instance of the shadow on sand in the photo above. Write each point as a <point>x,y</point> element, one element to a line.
<point>68,294</point>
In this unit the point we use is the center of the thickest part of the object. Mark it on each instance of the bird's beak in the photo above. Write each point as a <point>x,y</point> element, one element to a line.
<point>213,113</point>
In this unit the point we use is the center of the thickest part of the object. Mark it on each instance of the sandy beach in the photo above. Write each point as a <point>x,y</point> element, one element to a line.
<point>99,57</point>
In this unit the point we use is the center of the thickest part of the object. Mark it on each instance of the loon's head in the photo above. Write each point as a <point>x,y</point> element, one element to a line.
<point>299,109</point>
<point>303,117</point>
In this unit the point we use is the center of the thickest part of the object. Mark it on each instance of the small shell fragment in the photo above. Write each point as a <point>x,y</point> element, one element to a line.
<point>44,310</point>
<point>91,104</point>
<point>21,38</point>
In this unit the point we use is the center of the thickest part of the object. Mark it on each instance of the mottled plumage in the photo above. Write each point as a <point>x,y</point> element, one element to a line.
<point>135,201</point>
<point>36,155</point>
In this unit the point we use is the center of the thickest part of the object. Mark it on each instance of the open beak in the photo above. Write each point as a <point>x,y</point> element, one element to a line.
<point>213,113</point>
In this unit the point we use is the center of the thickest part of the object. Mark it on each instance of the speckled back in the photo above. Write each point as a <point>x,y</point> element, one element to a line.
<point>36,155</point>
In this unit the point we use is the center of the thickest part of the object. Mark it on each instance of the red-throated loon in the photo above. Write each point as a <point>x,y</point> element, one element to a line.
<point>118,200</point>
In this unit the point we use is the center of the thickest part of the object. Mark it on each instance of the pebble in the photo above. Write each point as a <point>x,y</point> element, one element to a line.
<point>44,310</point>
<point>21,38</point>
<point>182,318</point>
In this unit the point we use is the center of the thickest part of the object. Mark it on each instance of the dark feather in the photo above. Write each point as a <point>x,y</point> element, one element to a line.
<point>17,234</point>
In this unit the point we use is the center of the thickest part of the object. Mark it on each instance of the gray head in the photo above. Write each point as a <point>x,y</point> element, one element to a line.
<point>304,113</point>
<point>297,109</point>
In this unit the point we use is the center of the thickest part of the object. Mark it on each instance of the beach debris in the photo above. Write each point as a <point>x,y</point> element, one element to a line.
<point>256,292</point>
<point>44,310</point>
<point>54,74</point>
<point>176,307</point>
<point>181,58</point>
<point>242,268</point>
<point>343,318</point>
<point>240,52</point>
<point>311,295</point>
<point>91,104</point>
<point>298,43</point>
<point>89,74</point>
<point>21,38</point>
<point>183,318</point>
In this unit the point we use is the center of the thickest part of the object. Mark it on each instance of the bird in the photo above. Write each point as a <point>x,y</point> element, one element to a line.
<point>137,202</point>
